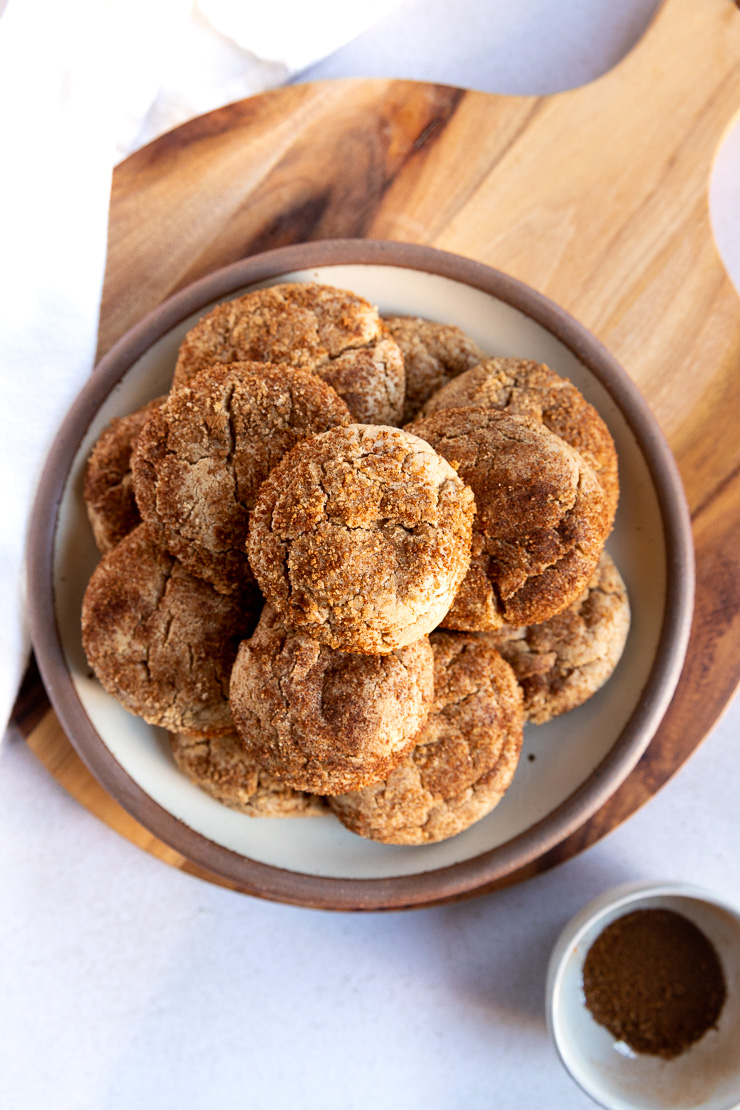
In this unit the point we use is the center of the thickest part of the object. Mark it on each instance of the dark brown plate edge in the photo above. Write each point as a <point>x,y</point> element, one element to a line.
<point>424,887</point>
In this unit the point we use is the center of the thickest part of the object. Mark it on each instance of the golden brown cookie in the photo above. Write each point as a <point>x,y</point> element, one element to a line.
<point>161,641</point>
<point>108,492</point>
<point>326,331</point>
<point>464,759</point>
<point>327,721</point>
<point>519,386</point>
<point>202,457</point>
<point>541,517</point>
<point>561,663</point>
<point>361,537</point>
<point>220,766</point>
<point>433,355</point>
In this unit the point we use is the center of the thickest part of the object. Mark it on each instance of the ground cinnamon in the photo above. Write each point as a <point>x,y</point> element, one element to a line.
<point>655,981</point>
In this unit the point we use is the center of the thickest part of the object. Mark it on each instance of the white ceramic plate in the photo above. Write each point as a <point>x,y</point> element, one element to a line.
<point>568,766</point>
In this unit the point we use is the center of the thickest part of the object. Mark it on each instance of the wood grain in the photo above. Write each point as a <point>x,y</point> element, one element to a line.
<point>597,197</point>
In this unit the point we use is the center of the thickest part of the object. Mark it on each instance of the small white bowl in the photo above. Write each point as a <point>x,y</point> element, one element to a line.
<point>707,1074</point>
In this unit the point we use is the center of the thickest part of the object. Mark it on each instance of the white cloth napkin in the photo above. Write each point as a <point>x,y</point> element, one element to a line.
<point>82,84</point>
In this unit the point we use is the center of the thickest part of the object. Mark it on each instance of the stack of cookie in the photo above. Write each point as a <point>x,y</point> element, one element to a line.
<point>346,557</point>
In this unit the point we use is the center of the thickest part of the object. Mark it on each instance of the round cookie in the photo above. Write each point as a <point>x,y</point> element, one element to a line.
<point>361,537</point>
<point>433,355</point>
<point>202,457</point>
<point>541,518</point>
<point>220,766</point>
<point>463,761</point>
<point>519,386</point>
<point>561,663</point>
<point>326,331</point>
<point>161,641</point>
<point>108,491</point>
<point>327,721</point>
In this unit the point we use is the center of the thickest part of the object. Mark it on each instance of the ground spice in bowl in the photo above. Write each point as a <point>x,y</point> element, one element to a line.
<point>654,980</point>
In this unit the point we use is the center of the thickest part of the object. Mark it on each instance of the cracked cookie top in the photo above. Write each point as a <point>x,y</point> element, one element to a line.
<point>433,355</point>
<point>520,386</point>
<point>201,458</point>
<point>464,758</point>
<point>327,721</point>
<point>161,641</point>
<point>559,664</point>
<point>541,518</point>
<point>361,537</point>
<point>326,331</point>
<point>108,491</point>
<point>221,767</point>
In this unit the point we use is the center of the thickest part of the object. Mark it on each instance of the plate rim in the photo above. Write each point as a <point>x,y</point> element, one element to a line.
<point>464,878</point>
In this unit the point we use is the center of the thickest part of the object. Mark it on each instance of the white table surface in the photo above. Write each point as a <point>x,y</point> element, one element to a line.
<point>126,984</point>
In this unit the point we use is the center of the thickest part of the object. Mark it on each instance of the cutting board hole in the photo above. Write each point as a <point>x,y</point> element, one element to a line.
<point>724,191</point>
<point>529,48</point>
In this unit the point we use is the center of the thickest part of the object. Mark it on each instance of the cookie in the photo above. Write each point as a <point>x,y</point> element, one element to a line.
<point>161,641</point>
<point>433,355</point>
<point>541,518</point>
<point>326,331</point>
<point>327,721</point>
<point>463,761</point>
<point>561,663</point>
<point>361,537</point>
<point>519,386</point>
<point>108,491</point>
<point>202,457</point>
<point>220,766</point>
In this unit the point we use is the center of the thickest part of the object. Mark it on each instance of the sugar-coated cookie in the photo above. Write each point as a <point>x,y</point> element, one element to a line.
<point>161,641</point>
<point>201,458</point>
<point>361,537</point>
<point>433,355</point>
<point>108,491</point>
<point>464,759</point>
<point>541,518</point>
<point>520,386</point>
<point>561,663</point>
<point>327,721</point>
<point>221,766</point>
<point>329,332</point>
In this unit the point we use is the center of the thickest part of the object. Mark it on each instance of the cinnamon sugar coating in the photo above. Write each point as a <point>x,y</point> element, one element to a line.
<point>327,721</point>
<point>463,761</point>
<point>202,457</point>
<point>433,355</point>
<point>108,491</point>
<point>326,331</point>
<point>361,537</point>
<point>561,663</point>
<point>541,519</point>
<point>221,767</point>
<point>161,641</point>
<point>520,386</point>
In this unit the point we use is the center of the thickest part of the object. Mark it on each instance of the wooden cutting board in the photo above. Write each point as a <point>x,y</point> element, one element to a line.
<point>597,197</point>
